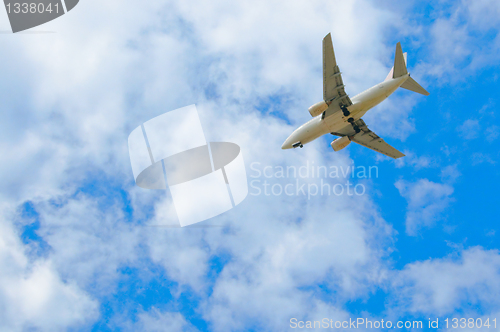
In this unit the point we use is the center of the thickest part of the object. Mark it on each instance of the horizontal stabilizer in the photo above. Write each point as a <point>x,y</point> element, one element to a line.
<point>412,85</point>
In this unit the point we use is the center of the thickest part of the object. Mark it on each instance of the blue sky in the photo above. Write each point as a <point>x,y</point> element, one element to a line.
<point>80,246</point>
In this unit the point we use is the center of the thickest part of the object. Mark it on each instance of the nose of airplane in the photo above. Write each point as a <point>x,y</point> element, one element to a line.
<point>287,144</point>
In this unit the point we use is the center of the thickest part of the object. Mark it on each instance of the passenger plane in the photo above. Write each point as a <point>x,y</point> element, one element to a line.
<point>341,116</point>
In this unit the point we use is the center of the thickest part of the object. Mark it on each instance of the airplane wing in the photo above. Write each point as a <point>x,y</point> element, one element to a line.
<point>333,86</point>
<point>369,139</point>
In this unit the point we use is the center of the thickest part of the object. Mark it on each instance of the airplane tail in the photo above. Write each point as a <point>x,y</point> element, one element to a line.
<point>400,69</point>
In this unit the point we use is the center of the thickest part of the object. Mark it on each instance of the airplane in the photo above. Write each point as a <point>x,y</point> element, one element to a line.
<point>341,116</point>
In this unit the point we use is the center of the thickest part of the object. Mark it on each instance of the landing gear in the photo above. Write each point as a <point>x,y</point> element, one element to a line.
<point>354,125</point>
<point>345,110</point>
<point>297,145</point>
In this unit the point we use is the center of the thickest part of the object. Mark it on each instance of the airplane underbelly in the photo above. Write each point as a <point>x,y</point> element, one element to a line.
<point>335,122</point>
<point>310,131</point>
<point>371,98</point>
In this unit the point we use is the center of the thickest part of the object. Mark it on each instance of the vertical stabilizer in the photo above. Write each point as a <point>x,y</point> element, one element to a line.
<point>391,73</point>
<point>399,63</point>
<point>399,69</point>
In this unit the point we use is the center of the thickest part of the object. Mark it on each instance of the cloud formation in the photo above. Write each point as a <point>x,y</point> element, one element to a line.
<point>69,101</point>
<point>440,286</point>
<point>426,202</point>
<point>32,293</point>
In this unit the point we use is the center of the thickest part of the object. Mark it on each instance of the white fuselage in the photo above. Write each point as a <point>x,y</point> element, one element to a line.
<point>361,103</point>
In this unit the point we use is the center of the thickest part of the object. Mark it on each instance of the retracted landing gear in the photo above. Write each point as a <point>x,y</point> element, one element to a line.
<point>354,125</point>
<point>345,110</point>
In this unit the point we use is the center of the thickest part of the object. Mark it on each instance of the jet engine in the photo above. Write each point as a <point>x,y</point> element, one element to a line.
<point>340,143</point>
<point>318,108</point>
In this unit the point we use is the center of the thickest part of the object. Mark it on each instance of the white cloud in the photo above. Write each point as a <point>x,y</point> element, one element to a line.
<point>272,253</point>
<point>479,158</point>
<point>89,243</point>
<point>73,97</point>
<point>440,286</point>
<point>469,129</point>
<point>450,173</point>
<point>492,133</point>
<point>461,45</point>
<point>427,201</point>
<point>483,13</point>
<point>157,321</point>
<point>417,162</point>
<point>32,294</point>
